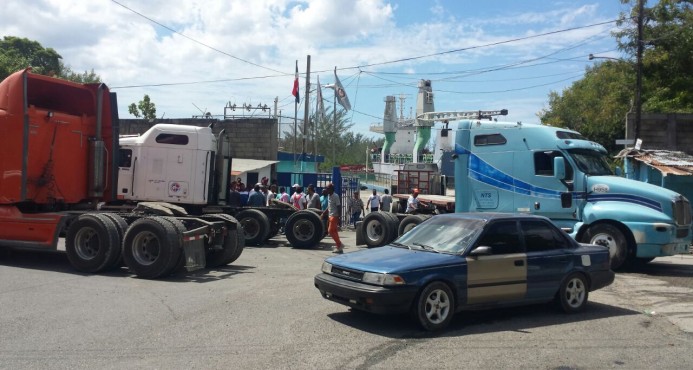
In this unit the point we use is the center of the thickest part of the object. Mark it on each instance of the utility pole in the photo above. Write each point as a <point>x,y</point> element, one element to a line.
<point>306,103</point>
<point>638,70</point>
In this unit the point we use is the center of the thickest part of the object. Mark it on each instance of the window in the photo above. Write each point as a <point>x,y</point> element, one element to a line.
<point>492,139</point>
<point>543,164</point>
<point>541,236</point>
<point>569,135</point>
<point>503,238</point>
<point>125,159</point>
<point>174,139</point>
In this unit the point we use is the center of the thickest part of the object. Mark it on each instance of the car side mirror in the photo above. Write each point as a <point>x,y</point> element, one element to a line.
<point>481,250</point>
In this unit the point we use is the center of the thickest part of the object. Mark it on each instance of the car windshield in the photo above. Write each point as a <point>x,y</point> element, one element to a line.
<point>591,162</point>
<point>442,234</point>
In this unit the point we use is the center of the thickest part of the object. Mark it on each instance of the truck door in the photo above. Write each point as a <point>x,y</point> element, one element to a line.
<point>545,194</point>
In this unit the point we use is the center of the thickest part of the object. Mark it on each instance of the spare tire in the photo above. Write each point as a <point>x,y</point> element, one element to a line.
<point>255,224</point>
<point>378,229</point>
<point>304,229</point>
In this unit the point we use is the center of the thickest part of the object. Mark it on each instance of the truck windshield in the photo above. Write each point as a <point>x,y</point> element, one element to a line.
<point>591,162</point>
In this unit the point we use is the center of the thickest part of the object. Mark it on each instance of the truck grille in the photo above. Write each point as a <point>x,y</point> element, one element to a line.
<point>682,216</point>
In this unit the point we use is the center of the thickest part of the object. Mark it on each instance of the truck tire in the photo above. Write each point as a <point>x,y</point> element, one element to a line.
<point>255,226</point>
<point>92,243</point>
<point>378,229</point>
<point>121,226</point>
<point>233,244</point>
<point>152,247</point>
<point>181,229</point>
<point>304,229</point>
<point>609,236</point>
<point>410,222</point>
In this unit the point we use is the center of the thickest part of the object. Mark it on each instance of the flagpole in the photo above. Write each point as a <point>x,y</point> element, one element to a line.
<point>306,120</point>
<point>334,112</point>
<point>295,93</point>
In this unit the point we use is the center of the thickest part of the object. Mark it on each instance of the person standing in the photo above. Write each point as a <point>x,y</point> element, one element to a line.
<point>323,199</point>
<point>234,196</point>
<point>334,210</point>
<point>297,198</point>
<point>271,194</point>
<point>374,201</point>
<point>283,195</point>
<point>355,208</point>
<point>256,198</point>
<point>312,199</point>
<point>413,202</point>
<point>386,201</point>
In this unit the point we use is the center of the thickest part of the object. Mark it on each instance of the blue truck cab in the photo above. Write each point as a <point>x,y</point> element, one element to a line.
<point>557,173</point>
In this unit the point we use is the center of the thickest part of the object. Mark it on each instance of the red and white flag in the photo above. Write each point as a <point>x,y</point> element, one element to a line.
<point>294,92</point>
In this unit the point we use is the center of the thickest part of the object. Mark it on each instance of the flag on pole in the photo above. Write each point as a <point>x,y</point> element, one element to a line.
<point>342,97</point>
<point>294,92</point>
<point>320,105</point>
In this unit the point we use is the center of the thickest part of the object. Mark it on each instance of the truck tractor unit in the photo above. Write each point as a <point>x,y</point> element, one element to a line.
<point>61,175</point>
<point>557,173</point>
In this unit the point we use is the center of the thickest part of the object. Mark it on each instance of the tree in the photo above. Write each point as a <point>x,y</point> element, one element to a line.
<point>596,105</point>
<point>349,148</point>
<point>145,108</point>
<point>667,55</point>
<point>18,53</point>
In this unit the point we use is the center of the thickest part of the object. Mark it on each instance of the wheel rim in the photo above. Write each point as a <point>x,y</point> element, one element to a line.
<point>303,230</point>
<point>87,243</point>
<point>606,240</point>
<point>437,306</point>
<point>251,228</point>
<point>374,230</point>
<point>146,248</point>
<point>408,227</point>
<point>575,292</point>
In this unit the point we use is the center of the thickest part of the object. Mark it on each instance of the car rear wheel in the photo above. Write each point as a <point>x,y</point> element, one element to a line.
<point>434,307</point>
<point>572,297</point>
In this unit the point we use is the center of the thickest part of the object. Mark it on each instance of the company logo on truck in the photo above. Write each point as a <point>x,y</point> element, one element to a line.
<point>600,188</point>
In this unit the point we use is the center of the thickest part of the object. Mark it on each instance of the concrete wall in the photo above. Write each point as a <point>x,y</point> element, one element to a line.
<point>668,131</point>
<point>251,138</point>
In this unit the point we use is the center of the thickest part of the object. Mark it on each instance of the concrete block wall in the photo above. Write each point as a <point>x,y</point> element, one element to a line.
<point>250,138</point>
<point>668,131</point>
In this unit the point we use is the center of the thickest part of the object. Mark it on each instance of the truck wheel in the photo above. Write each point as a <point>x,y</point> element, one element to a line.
<point>572,296</point>
<point>304,229</point>
<point>121,226</point>
<point>409,223</point>
<point>181,229</point>
<point>434,306</point>
<point>255,226</point>
<point>609,236</point>
<point>233,244</point>
<point>378,229</point>
<point>152,247</point>
<point>92,243</point>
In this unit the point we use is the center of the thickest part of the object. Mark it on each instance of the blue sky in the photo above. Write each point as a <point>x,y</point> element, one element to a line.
<point>250,47</point>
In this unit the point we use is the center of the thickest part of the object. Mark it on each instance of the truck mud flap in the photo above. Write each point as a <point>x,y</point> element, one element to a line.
<point>194,248</point>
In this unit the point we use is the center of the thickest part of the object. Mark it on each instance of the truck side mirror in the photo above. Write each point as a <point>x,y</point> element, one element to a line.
<point>559,168</point>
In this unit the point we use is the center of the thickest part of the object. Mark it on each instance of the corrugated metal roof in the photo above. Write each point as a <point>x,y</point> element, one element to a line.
<point>668,162</point>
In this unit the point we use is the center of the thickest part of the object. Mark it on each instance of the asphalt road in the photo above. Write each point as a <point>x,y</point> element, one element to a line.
<point>263,312</point>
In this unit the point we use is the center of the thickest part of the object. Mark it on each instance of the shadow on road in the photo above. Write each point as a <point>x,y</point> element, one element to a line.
<point>519,319</point>
<point>662,269</point>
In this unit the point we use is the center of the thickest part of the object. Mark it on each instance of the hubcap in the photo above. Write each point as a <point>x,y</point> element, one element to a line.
<point>146,248</point>
<point>303,230</point>
<point>575,293</point>
<point>606,240</point>
<point>87,243</point>
<point>437,306</point>
<point>251,228</point>
<point>374,230</point>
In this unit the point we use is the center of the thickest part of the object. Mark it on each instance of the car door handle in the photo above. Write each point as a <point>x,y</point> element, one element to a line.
<point>519,263</point>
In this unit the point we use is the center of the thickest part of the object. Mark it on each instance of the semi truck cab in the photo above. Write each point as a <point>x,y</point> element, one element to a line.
<point>557,173</point>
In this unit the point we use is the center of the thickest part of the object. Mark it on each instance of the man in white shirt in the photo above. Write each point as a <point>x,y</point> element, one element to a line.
<point>386,201</point>
<point>374,201</point>
<point>412,202</point>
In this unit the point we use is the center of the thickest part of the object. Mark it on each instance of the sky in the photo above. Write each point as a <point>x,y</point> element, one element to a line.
<point>197,56</point>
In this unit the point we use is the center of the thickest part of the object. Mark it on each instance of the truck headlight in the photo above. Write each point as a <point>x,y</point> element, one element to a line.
<point>327,268</point>
<point>382,279</point>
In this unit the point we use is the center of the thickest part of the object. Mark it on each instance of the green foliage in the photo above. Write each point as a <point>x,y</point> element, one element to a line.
<point>596,105</point>
<point>19,53</point>
<point>145,108</point>
<point>348,148</point>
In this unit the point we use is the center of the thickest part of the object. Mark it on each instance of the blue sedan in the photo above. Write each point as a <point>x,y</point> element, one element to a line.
<point>468,261</point>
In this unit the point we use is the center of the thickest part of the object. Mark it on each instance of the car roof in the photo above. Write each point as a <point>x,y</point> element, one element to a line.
<point>490,216</point>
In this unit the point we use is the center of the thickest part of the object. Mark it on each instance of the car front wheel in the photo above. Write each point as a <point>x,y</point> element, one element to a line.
<point>434,307</point>
<point>572,297</point>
